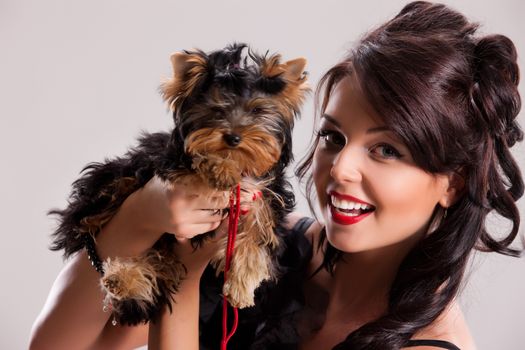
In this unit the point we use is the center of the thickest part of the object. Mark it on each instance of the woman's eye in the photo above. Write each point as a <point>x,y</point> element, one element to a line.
<point>386,151</point>
<point>332,138</point>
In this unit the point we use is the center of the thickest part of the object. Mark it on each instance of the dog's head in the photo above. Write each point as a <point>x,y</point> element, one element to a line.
<point>235,106</point>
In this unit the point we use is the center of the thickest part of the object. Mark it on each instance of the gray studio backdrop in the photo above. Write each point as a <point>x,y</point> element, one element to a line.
<point>78,81</point>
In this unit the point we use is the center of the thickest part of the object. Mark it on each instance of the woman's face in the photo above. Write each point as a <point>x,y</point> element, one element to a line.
<point>358,160</point>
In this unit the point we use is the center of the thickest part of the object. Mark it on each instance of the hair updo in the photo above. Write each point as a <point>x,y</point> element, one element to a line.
<point>453,98</point>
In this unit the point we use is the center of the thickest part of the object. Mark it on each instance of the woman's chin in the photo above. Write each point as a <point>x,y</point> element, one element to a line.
<point>347,242</point>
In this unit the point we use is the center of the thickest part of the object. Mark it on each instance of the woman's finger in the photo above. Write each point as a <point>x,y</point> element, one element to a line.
<point>192,230</point>
<point>202,216</point>
<point>199,195</point>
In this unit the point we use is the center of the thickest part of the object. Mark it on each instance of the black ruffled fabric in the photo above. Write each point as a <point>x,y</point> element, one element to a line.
<point>271,323</point>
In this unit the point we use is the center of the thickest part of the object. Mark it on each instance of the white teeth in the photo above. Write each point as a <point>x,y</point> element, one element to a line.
<point>347,205</point>
<point>348,213</point>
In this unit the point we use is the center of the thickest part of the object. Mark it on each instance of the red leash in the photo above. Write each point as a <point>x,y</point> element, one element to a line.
<point>235,206</point>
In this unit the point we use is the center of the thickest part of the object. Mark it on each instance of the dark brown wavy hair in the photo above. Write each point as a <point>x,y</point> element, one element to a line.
<point>452,97</point>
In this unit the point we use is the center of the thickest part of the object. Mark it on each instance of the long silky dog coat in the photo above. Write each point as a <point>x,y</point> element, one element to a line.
<point>233,117</point>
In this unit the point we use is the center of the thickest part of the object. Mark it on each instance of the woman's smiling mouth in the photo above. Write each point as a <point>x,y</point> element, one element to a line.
<point>348,210</point>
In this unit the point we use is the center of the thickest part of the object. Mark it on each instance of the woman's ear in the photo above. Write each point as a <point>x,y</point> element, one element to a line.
<point>454,183</point>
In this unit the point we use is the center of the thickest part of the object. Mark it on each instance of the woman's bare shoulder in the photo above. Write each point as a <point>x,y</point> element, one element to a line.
<point>450,326</point>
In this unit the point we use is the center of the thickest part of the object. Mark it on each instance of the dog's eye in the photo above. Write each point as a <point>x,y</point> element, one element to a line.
<point>256,110</point>
<point>219,112</point>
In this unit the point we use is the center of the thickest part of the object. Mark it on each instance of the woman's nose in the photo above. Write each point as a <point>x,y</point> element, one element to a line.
<point>346,166</point>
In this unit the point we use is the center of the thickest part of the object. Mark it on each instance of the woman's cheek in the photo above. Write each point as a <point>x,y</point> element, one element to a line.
<point>321,172</point>
<point>406,203</point>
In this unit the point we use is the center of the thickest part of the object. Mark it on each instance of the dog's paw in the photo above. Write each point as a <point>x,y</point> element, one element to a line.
<point>129,279</point>
<point>114,286</point>
<point>238,296</point>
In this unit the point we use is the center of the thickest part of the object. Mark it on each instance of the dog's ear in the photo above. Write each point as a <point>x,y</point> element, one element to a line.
<point>189,70</point>
<point>286,81</point>
<point>294,69</point>
<point>297,87</point>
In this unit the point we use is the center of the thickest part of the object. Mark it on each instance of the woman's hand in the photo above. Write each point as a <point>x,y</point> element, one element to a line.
<point>185,208</point>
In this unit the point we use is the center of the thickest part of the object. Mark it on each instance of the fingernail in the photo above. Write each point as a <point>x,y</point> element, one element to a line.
<point>244,211</point>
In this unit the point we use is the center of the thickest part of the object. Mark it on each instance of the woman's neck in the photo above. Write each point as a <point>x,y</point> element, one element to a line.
<point>361,283</point>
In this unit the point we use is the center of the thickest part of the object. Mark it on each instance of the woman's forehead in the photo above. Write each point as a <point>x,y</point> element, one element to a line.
<point>347,102</point>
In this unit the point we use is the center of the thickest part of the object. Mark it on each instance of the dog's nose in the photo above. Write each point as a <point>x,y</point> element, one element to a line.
<point>232,140</point>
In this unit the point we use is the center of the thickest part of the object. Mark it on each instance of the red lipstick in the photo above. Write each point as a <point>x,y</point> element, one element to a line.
<point>344,219</point>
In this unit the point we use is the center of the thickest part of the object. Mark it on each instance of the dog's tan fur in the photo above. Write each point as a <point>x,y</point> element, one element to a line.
<point>296,88</point>
<point>254,156</point>
<point>188,69</point>
<point>251,263</point>
<point>136,278</point>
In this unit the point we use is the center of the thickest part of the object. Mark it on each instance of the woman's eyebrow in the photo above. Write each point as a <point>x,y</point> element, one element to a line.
<point>331,119</point>
<point>378,129</point>
<point>369,131</point>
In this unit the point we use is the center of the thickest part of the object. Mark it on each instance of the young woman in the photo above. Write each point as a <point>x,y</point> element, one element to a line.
<point>411,156</point>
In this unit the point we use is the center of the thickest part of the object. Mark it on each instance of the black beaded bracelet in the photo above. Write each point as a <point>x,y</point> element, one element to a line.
<point>89,244</point>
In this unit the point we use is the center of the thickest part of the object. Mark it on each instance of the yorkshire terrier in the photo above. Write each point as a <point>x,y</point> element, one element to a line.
<point>233,114</point>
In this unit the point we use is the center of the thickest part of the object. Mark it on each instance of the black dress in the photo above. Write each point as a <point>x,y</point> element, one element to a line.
<point>270,324</point>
